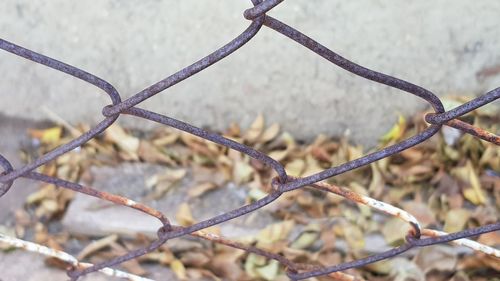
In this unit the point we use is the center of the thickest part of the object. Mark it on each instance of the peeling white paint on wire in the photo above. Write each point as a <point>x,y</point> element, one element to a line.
<point>46,251</point>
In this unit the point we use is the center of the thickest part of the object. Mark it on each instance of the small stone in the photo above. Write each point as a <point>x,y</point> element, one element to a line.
<point>91,216</point>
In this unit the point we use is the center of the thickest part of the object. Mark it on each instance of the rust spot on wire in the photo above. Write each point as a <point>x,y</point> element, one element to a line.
<point>475,131</point>
<point>283,183</point>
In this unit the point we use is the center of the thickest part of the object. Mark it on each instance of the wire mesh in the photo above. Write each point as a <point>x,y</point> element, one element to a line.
<point>281,184</point>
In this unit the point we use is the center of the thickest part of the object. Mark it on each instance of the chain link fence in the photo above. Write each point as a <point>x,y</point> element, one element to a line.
<point>417,237</point>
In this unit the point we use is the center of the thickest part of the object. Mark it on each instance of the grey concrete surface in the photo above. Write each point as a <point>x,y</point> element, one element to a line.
<point>14,138</point>
<point>102,218</point>
<point>26,266</point>
<point>441,45</point>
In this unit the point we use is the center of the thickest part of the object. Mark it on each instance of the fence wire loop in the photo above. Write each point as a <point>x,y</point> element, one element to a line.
<point>261,9</point>
<point>7,168</point>
<point>282,183</point>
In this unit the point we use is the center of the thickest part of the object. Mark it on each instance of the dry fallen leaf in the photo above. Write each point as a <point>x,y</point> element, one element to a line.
<point>179,269</point>
<point>295,168</point>
<point>354,236</point>
<point>255,130</point>
<point>467,174</point>
<point>420,211</point>
<point>47,136</point>
<point>305,240</point>
<point>269,271</point>
<point>242,172</point>
<point>396,132</point>
<point>162,182</point>
<point>403,269</point>
<point>394,230</point>
<point>226,264</point>
<point>96,246</point>
<point>126,142</point>
<point>184,216</point>
<point>414,179</point>
<point>274,233</point>
<point>201,189</point>
<point>440,257</point>
<point>456,220</point>
<point>151,154</point>
<point>270,133</point>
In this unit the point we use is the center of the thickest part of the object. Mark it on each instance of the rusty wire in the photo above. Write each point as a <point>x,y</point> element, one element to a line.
<point>283,183</point>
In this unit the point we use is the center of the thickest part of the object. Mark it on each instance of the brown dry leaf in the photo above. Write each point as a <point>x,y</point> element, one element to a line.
<point>49,205</point>
<point>354,236</point>
<point>47,136</point>
<point>151,154</point>
<point>190,140</point>
<point>255,130</point>
<point>479,261</point>
<point>268,272</point>
<point>394,230</point>
<point>179,269</point>
<point>41,233</point>
<point>23,220</point>
<point>413,154</point>
<point>227,265</point>
<point>403,270</point>
<point>456,220</point>
<point>184,216</point>
<point>413,173</point>
<point>467,174</point>
<point>491,238</point>
<point>126,142</point>
<point>201,274</point>
<point>201,189</point>
<point>270,133</point>
<point>312,166</point>
<point>213,147</point>
<point>166,140</point>
<point>253,262</point>
<point>310,235</point>
<point>47,192</point>
<point>96,246</point>
<point>256,194</point>
<point>491,157</point>
<point>305,240</point>
<point>242,172</point>
<point>439,257</point>
<point>274,233</point>
<point>195,259</point>
<point>320,153</point>
<point>64,197</point>
<point>295,168</point>
<point>131,266</point>
<point>383,267</point>
<point>279,155</point>
<point>158,257</point>
<point>377,182</point>
<point>162,182</point>
<point>421,211</point>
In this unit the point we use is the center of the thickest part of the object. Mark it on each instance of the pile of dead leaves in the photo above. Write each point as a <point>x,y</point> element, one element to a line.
<point>451,182</point>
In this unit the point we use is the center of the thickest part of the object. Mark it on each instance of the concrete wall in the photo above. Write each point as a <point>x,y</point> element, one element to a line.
<point>440,45</point>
